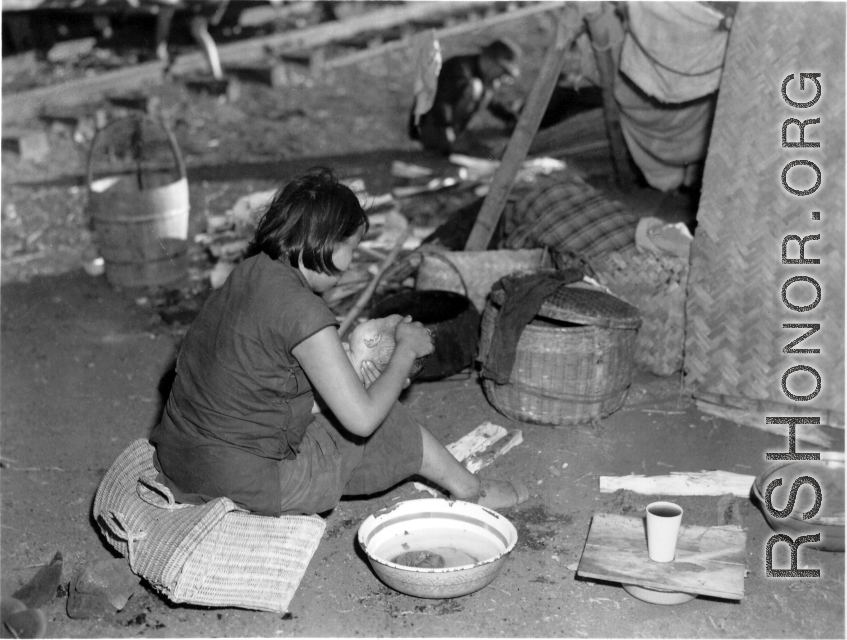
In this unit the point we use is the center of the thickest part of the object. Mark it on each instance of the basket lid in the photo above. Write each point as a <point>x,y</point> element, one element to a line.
<point>584,306</point>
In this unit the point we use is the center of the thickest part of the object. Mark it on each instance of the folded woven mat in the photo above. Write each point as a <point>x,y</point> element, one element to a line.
<point>211,555</point>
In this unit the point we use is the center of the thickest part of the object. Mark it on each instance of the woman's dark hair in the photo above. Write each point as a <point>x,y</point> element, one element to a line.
<point>309,217</point>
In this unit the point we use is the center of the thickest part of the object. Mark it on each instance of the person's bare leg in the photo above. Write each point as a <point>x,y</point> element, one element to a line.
<point>441,467</point>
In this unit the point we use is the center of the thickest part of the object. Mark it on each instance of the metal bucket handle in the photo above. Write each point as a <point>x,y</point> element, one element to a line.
<point>413,261</point>
<point>139,118</point>
<point>449,263</point>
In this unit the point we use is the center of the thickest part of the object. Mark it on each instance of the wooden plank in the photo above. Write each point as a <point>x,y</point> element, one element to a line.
<point>807,433</point>
<point>476,441</point>
<point>568,27</point>
<point>18,106</point>
<point>710,561</point>
<point>446,33</point>
<point>324,33</point>
<point>481,459</point>
<point>757,408</point>
<point>76,5</point>
<point>703,483</point>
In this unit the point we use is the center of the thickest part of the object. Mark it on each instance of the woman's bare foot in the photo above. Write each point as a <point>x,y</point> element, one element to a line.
<point>500,494</point>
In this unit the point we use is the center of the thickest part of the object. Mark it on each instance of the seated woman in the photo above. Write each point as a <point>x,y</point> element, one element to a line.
<point>238,422</point>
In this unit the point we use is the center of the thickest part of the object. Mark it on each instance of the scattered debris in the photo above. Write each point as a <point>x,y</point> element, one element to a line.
<point>41,589</point>
<point>94,267</point>
<point>101,589</point>
<point>390,227</point>
<point>482,170</point>
<point>406,170</point>
<point>420,486</point>
<point>436,184</point>
<point>70,50</point>
<point>136,101</point>
<point>228,88</point>
<point>17,621</point>
<point>729,511</point>
<point>32,145</point>
<point>476,441</point>
<point>357,309</point>
<point>272,74</point>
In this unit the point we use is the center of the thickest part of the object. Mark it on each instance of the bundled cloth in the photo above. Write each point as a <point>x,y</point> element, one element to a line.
<point>524,295</point>
<point>671,63</point>
<point>668,142</point>
<point>674,51</point>
<point>427,67</point>
<point>563,212</point>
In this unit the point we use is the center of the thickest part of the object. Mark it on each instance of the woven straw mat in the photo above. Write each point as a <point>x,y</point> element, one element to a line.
<point>734,334</point>
<point>656,286</point>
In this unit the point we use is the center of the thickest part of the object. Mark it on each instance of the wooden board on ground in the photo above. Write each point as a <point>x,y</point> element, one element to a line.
<point>709,560</point>
<point>686,483</point>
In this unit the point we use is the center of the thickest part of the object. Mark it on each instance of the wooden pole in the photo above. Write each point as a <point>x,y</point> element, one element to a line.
<point>606,51</point>
<point>567,29</point>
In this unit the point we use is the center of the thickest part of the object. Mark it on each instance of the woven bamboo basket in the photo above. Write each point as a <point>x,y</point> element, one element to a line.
<point>472,273</point>
<point>566,371</point>
<point>656,286</point>
<point>213,555</point>
<point>735,312</point>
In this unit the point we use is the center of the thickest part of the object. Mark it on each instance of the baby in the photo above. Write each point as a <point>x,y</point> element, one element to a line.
<point>374,340</point>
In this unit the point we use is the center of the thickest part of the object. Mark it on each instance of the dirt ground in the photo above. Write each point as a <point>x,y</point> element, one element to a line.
<point>83,364</point>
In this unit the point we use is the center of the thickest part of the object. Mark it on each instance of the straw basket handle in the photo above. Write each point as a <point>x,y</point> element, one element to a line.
<point>157,494</point>
<point>139,119</point>
<point>117,525</point>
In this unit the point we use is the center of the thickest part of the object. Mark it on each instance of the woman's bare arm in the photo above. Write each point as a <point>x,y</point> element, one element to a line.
<point>360,410</point>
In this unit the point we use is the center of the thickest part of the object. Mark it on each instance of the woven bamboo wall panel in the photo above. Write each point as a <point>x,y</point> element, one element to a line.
<point>734,311</point>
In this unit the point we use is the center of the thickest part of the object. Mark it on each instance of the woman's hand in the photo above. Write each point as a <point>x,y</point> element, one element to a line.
<point>369,373</point>
<point>415,337</point>
<point>359,410</point>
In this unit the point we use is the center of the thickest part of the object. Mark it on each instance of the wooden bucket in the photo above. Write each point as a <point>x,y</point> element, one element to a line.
<point>140,219</point>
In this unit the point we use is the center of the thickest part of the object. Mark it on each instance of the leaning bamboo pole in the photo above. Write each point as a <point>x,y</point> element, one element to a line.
<point>568,28</point>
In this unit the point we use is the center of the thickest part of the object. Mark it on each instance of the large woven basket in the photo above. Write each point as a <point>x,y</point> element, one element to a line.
<point>214,555</point>
<point>573,362</point>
